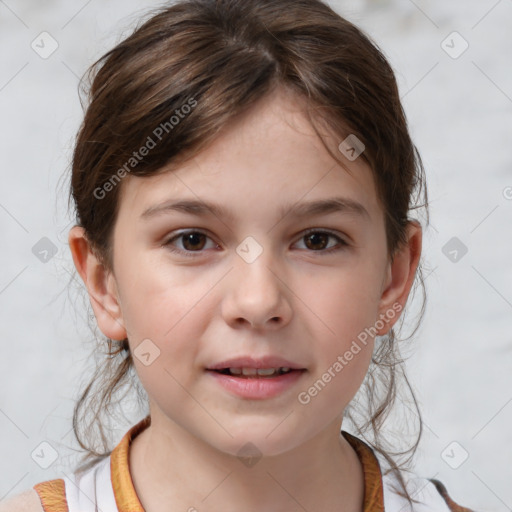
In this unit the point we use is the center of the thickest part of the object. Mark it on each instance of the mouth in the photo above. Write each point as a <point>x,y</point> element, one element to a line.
<point>250,383</point>
<point>257,373</point>
<point>252,366</point>
<point>256,378</point>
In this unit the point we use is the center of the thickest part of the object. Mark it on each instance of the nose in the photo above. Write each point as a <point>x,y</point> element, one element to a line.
<point>256,296</point>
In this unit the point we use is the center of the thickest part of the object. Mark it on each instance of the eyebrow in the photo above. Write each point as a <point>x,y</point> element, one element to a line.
<point>304,209</point>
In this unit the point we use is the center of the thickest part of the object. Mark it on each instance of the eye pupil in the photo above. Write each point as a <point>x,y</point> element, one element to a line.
<point>316,238</point>
<point>192,237</point>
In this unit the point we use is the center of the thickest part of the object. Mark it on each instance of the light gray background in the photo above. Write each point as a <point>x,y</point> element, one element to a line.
<point>460,115</point>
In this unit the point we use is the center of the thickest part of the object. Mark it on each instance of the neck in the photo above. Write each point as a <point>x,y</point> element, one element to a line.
<point>170,466</point>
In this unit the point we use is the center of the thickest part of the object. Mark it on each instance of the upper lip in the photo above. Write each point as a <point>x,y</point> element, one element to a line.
<point>254,362</point>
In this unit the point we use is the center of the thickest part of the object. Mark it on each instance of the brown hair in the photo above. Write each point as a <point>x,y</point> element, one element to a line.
<point>219,58</point>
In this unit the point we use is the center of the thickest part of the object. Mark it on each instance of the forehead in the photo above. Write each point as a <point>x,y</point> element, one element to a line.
<point>267,157</point>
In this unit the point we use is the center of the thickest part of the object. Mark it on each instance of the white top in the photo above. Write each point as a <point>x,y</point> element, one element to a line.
<point>92,491</point>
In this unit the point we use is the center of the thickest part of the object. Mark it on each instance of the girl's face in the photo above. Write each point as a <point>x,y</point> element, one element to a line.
<point>249,280</point>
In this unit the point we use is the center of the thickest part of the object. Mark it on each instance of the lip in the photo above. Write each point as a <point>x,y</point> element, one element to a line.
<point>257,388</point>
<point>254,362</point>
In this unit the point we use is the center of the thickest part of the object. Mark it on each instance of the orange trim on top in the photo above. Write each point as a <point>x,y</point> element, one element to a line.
<point>373,500</point>
<point>52,494</point>
<point>124,491</point>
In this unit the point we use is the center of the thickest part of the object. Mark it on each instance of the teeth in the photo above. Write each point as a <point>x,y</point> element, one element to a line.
<point>267,371</point>
<point>259,371</point>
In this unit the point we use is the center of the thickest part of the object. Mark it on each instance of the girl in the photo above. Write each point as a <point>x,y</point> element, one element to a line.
<point>243,180</point>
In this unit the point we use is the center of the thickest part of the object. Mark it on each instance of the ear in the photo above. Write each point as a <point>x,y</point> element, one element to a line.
<point>400,277</point>
<point>100,284</point>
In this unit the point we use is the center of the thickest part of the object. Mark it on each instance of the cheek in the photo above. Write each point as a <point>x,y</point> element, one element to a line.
<point>159,302</point>
<point>345,308</point>
<point>343,303</point>
<point>163,317</point>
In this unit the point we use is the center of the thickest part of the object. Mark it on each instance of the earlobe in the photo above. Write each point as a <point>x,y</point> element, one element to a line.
<point>400,277</point>
<point>100,284</point>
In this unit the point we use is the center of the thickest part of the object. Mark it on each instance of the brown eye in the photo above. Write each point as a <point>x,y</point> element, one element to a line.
<point>319,241</point>
<point>191,242</point>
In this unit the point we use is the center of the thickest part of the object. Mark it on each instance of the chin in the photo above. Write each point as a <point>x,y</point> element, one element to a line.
<point>245,445</point>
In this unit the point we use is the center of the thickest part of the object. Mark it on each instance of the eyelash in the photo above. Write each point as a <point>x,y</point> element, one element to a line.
<point>194,254</point>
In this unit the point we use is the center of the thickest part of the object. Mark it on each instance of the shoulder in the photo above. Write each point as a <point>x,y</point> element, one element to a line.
<point>27,501</point>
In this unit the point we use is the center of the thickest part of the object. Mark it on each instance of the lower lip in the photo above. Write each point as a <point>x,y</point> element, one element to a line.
<point>257,388</point>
